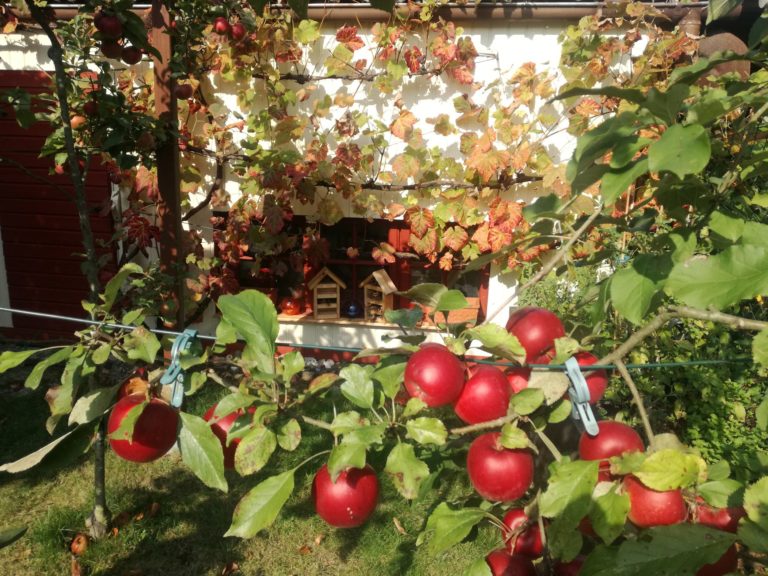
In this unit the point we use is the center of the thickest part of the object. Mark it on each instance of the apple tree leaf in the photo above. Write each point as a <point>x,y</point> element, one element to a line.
<point>259,507</point>
<point>201,451</point>
<point>449,527</point>
<point>254,450</point>
<point>406,470</point>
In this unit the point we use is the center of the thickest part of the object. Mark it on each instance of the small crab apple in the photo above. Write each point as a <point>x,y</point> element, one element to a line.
<point>485,396</point>
<point>536,329</point>
<point>109,25</point>
<point>184,91</point>
<point>111,49</point>
<point>649,507</point>
<point>238,31</point>
<point>528,542</point>
<point>154,433</point>
<point>498,473</point>
<point>613,439</point>
<point>434,374</point>
<point>221,26</point>
<point>348,502</point>
<point>503,564</point>
<point>131,55</point>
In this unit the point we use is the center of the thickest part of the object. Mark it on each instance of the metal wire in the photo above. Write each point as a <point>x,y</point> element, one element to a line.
<point>538,367</point>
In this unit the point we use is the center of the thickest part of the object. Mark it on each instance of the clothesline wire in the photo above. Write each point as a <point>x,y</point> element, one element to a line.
<point>538,367</point>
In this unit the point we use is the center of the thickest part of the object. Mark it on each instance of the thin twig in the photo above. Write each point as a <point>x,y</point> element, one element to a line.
<point>736,322</point>
<point>629,344</point>
<point>557,455</point>
<point>485,425</point>
<point>550,265</point>
<point>638,400</point>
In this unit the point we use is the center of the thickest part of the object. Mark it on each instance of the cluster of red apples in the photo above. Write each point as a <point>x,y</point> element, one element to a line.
<point>112,44</point>
<point>499,474</point>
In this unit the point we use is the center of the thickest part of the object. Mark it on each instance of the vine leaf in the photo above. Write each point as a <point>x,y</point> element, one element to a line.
<point>259,508</point>
<point>201,451</point>
<point>681,150</point>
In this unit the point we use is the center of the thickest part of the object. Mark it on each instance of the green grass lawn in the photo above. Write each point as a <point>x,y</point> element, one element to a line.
<point>173,524</point>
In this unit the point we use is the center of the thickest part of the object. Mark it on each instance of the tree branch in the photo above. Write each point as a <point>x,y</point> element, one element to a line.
<point>550,265</point>
<point>484,425</point>
<point>736,322</point>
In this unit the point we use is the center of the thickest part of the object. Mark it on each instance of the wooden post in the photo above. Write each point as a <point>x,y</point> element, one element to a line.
<point>167,153</point>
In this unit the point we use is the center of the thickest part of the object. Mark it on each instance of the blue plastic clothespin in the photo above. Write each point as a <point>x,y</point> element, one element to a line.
<point>579,394</point>
<point>174,374</point>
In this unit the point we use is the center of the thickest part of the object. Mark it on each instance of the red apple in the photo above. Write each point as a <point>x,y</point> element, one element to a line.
<point>721,518</point>
<point>435,375</point>
<point>498,473</point>
<point>652,508</point>
<point>91,108</point>
<point>727,563</point>
<point>571,568</point>
<point>485,396</point>
<point>613,439</point>
<point>184,91</point>
<point>536,329</point>
<point>77,122</point>
<point>221,26</point>
<point>597,380</point>
<point>348,502</point>
<point>109,25</point>
<point>131,55</point>
<point>221,428</point>
<point>518,378</point>
<point>111,49</point>
<point>502,564</point>
<point>528,542</point>
<point>154,433</point>
<point>238,31</point>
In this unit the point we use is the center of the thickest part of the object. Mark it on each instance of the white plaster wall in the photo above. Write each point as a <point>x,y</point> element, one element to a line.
<point>25,51</point>
<point>6,320</point>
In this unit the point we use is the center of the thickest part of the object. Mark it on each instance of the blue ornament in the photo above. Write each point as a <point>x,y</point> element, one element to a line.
<point>351,310</point>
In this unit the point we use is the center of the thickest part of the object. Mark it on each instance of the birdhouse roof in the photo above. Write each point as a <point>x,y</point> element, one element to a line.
<point>317,278</point>
<point>382,279</point>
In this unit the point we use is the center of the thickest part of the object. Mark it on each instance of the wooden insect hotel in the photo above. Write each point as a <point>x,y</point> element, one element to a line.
<point>326,294</point>
<point>379,294</point>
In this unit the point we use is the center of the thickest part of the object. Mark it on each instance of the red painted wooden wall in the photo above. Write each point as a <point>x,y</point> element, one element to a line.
<point>40,232</point>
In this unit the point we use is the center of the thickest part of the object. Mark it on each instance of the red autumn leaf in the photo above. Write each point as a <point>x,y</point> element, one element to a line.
<point>405,166</point>
<point>499,239</point>
<point>384,253</point>
<point>455,237</point>
<point>446,262</point>
<point>488,164</point>
<point>420,220</point>
<point>348,36</point>
<point>480,237</point>
<point>395,210</point>
<point>414,59</point>
<point>402,127</point>
<point>426,245</point>
<point>145,184</point>
<point>273,218</point>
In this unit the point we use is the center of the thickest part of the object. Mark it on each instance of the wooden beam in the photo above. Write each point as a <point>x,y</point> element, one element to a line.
<point>167,155</point>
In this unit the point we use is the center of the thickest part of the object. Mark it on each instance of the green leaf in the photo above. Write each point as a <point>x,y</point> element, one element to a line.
<point>389,373</point>
<point>451,300</point>
<point>543,206</point>
<point>36,375</point>
<point>254,317</point>
<point>366,435</point>
<point>616,181</point>
<point>720,470</point>
<point>755,537</point>
<point>413,407</point>
<point>628,463</point>
<point>678,550</point>
<point>560,412</point>
<point>347,422</point>
<point>563,539</point>
<point>345,456</point>
<point>406,470</point>
<point>405,317</point>
<point>671,469</point>
<point>449,527</point>
<point>201,451</point>
<point>92,405</point>
<point>681,150</point>
<point>358,385</point>
<point>307,31</point>
<point>322,382</point>
<point>292,363</point>
<point>101,354</point>
<point>513,437</point>
<point>719,8</point>
<point>112,289</point>
<point>756,502</point>
<point>427,294</point>
<point>570,489</point>
<point>736,273</point>
<point>725,228</point>
<point>553,385</point>
<point>259,508</point>
<point>127,424</point>
<point>9,535</point>
<point>12,359</point>
<point>609,514</point>
<point>759,31</point>
<point>721,493</point>
<point>666,105</point>
<point>634,289</point>
<point>426,430</point>
<point>527,401</point>
<point>231,403</point>
<point>289,437</point>
<point>496,340</point>
<point>62,449</point>
<point>141,344</point>
<point>254,450</point>
<point>760,349</point>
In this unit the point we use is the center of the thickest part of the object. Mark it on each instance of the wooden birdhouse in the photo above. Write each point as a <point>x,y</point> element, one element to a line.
<point>379,294</point>
<point>326,294</point>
